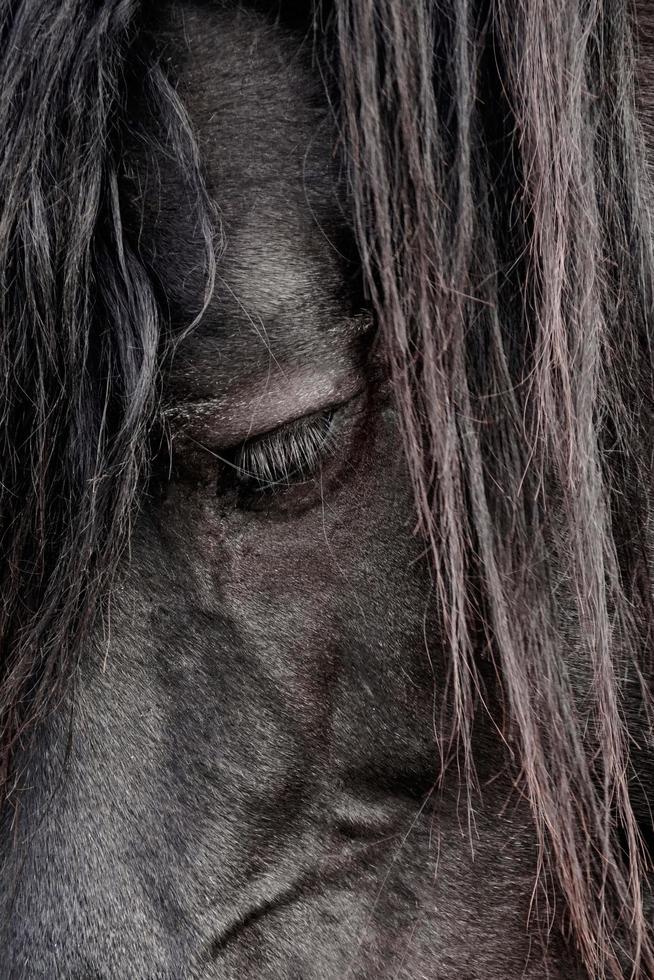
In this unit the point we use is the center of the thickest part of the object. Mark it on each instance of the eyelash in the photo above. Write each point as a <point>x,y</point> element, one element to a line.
<point>285,457</point>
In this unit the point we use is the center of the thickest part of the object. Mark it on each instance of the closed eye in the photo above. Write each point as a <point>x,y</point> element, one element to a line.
<point>279,470</point>
<point>288,455</point>
<point>285,469</point>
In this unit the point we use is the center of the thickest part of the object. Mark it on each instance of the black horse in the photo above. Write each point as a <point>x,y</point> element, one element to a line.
<point>326,459</point>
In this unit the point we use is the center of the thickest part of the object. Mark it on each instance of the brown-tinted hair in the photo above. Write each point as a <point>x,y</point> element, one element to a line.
<point>495,166</point>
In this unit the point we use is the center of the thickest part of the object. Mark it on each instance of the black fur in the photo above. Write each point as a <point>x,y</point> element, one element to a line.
<point>281,735</point>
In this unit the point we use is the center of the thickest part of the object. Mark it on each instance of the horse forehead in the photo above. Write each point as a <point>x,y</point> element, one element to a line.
<point>265,139</point>
<point>254,94</point>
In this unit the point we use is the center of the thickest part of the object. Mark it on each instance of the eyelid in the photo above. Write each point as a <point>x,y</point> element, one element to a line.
<point>210,424</point>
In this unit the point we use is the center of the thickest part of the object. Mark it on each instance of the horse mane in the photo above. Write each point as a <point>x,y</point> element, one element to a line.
<point>80,333</point>
<point>497,185</point>
<point>497,190</point>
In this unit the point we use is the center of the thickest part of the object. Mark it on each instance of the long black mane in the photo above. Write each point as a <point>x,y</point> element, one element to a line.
<point>498,190</point>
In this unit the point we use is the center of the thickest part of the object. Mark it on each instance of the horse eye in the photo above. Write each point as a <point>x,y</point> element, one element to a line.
<point>286,469</point>
<point>279,460</point>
